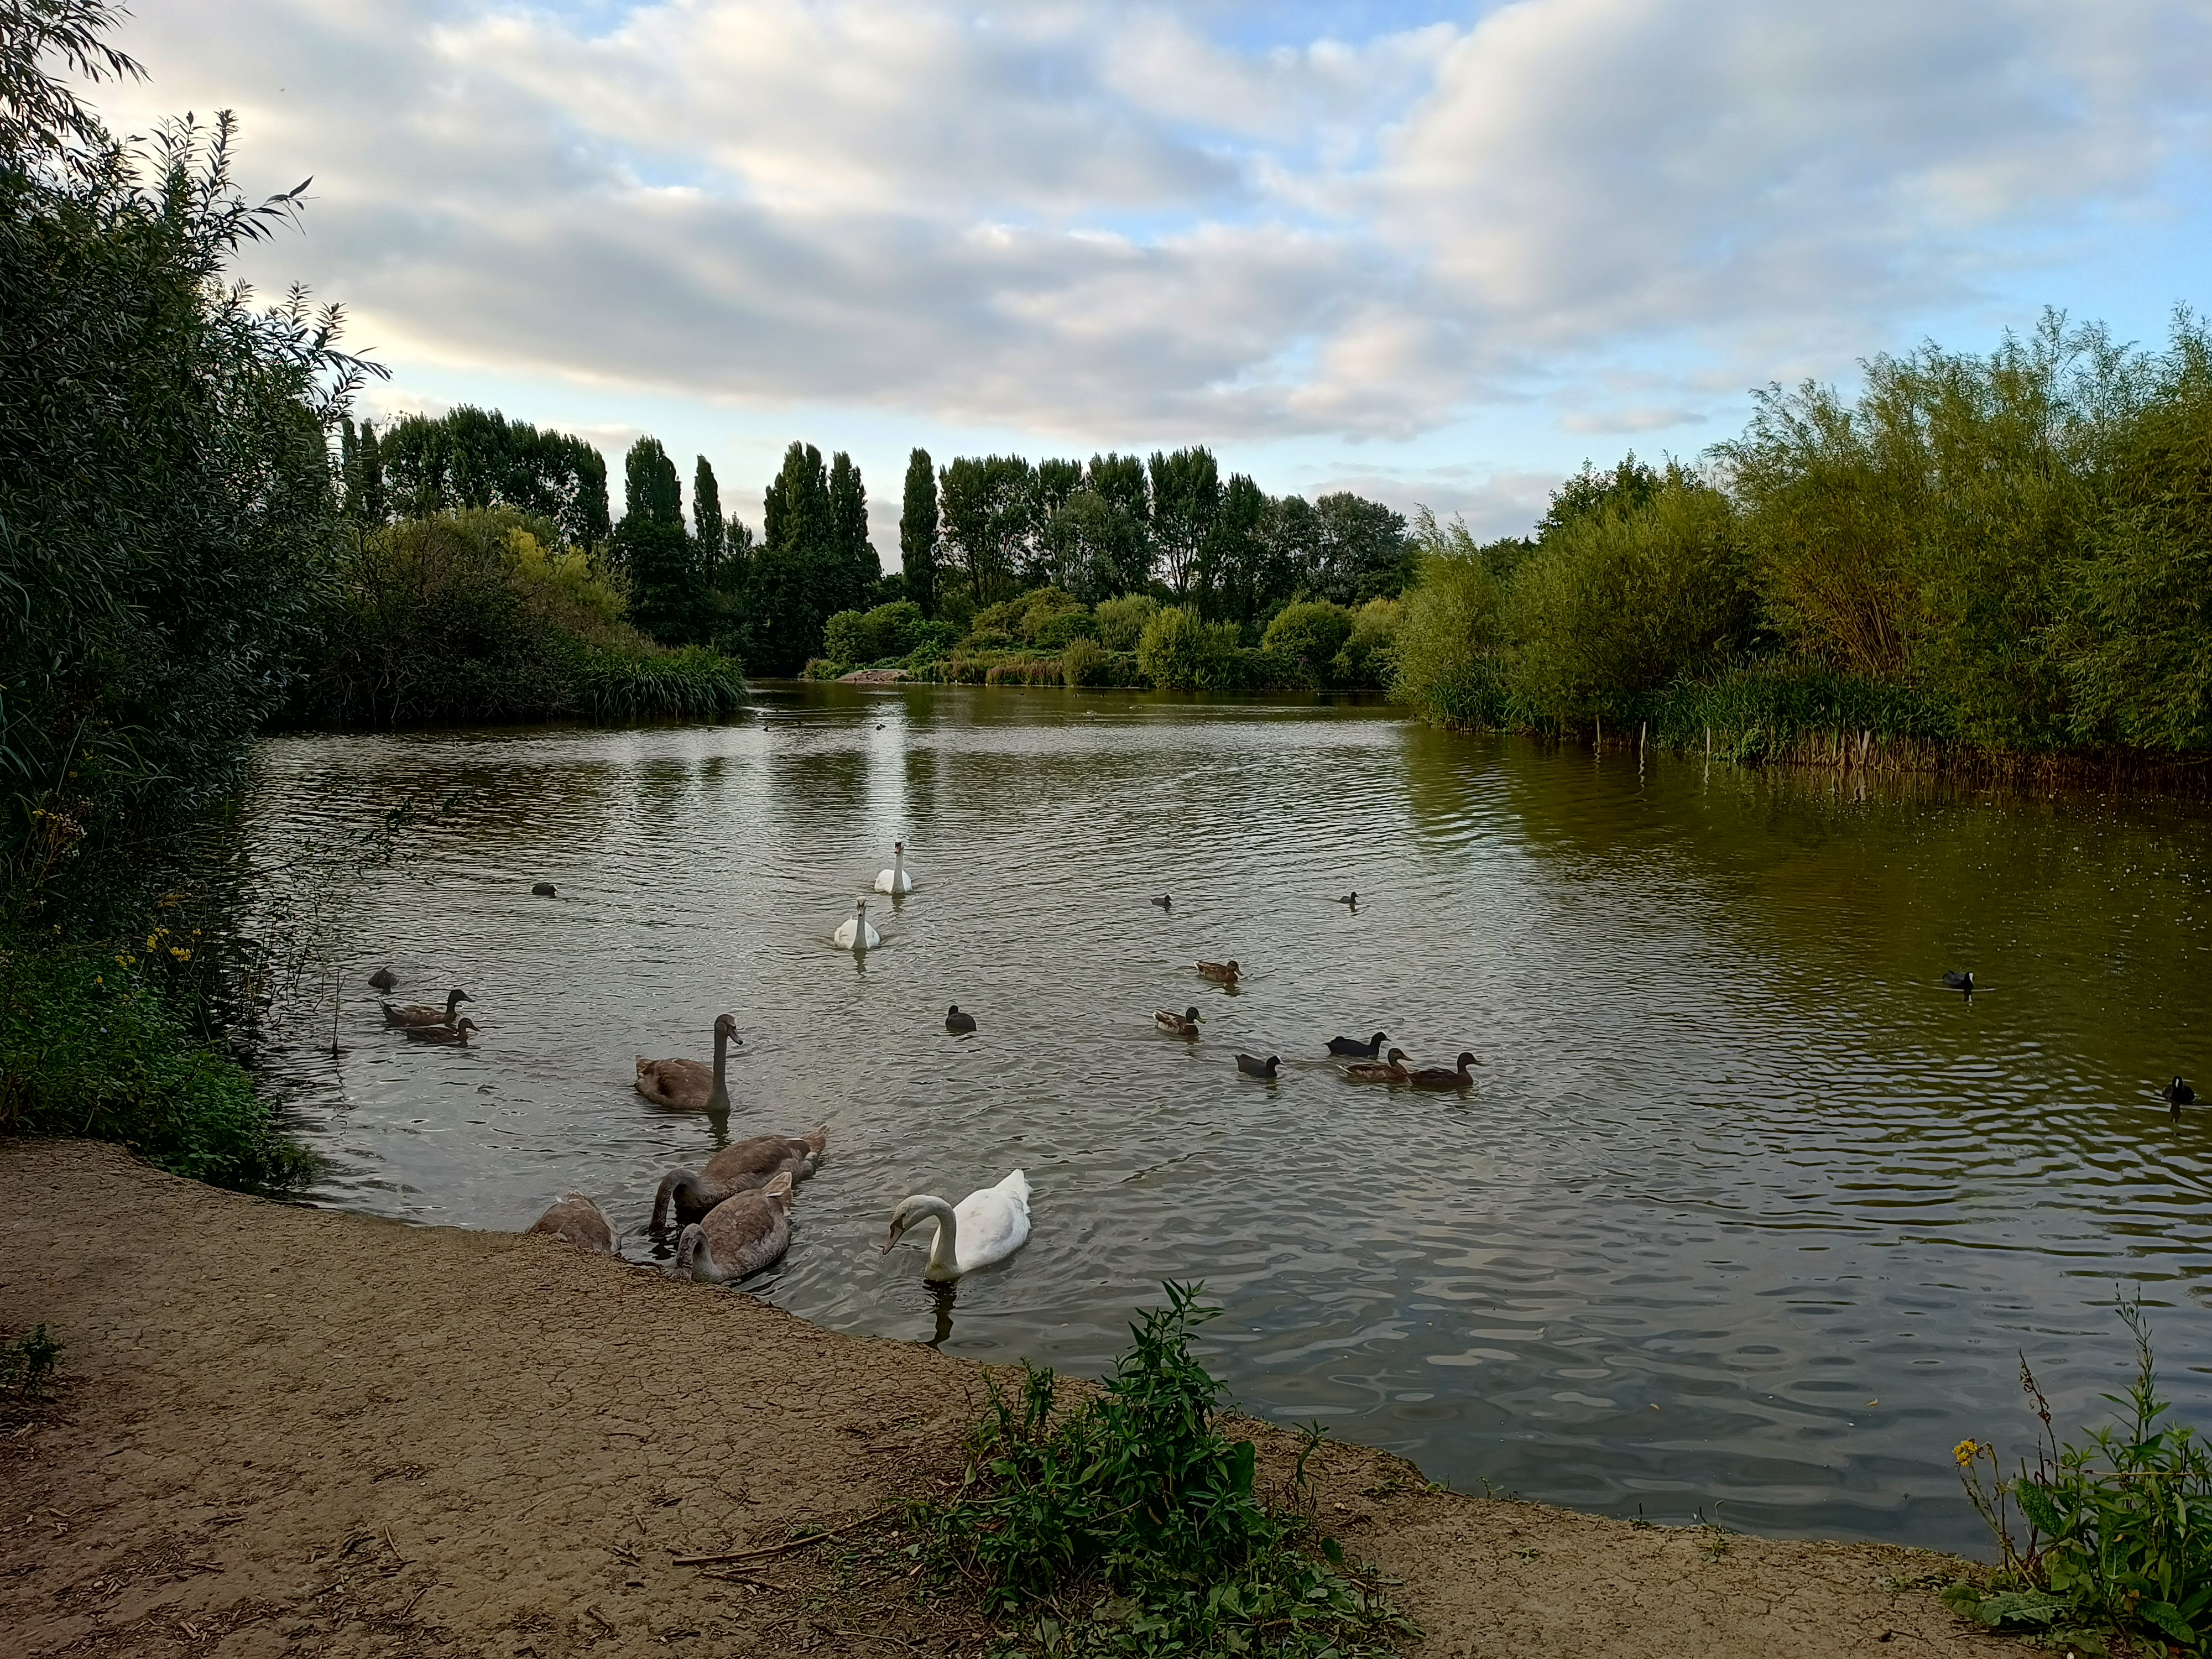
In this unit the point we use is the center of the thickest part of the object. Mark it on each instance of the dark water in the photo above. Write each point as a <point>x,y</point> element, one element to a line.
<point>1743,1210</point>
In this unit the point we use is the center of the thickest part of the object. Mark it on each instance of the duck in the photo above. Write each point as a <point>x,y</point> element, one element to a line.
<point>685,1085</point>
<point>383,980</point>
<point>1438,1077</point>
<point>895,879</point>
<point>545,889</point>
<point>742,1166</point>
<point>1253,1065</point>
<point>738,1236</point>
<point>459,1034</point>
<point>956,1021</point>
<point>855,934</point>
<point>1392,1070</point>
<point>1961,982</point>
<point>2176,1095</point>
<point>419,1014</point>
<point>1221,973</point>
<point>1350,900</point>
<point>582,1222</point>
<point>1184,1024</point>
<point>1165,901</point>
<point>989,1225</point>
<point>1354,1048</point>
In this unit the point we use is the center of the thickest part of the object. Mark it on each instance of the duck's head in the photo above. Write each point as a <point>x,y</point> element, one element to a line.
<point>1466,1059</point>
<point>1191,1013</point>
<point>726,1028</point>
<point>1397,1057</point>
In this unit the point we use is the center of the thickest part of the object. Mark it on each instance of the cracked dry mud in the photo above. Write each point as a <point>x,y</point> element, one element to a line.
<point>284,1430</point>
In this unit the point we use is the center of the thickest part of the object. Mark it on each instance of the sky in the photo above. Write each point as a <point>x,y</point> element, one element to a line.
<point>1436,254</point>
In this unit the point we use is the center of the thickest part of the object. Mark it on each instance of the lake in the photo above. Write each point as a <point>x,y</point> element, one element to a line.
<point>1745,1216</point>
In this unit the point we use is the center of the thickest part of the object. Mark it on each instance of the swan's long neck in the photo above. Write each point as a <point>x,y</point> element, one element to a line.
<point>943,1248</point>
<point>702,1261</point>
<point>718,1097</point>
<point>898,868</point>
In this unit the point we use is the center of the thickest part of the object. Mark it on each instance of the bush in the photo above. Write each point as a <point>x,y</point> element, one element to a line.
<point>1367,657</point>
<point>2118,1526</point>
<point>1138,1491</point>
<point>1310,634</point>
<point>1451,631</point>
<point>1179,652</point>
<point>859,638</point>
<point>1121,621</point>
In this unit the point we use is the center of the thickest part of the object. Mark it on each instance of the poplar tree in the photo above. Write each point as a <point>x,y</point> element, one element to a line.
<point>707,530</point>
<point>854,570</point>
<point>918,531</point>
<point>651,492</point>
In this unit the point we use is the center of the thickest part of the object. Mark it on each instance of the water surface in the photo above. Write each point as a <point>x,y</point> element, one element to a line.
<point>1744,1216</point>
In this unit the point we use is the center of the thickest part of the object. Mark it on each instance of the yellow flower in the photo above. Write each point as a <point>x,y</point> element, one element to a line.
<point>153,940</point>
<point>1965,1451</point>
<point>180,953</point>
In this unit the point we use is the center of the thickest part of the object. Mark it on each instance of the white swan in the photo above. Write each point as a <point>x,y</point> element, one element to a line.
<point>895,879</point>
<point>855,934</point>
<point>990,1225</point>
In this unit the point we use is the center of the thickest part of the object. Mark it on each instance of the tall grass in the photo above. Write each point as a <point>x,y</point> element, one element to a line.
<point>1129,1523</point>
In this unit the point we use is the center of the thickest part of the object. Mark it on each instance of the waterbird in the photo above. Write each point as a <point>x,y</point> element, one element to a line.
<point>1961,982</point>
<point>417,1015</point>
<point>742,1166</point>
<point>1354,1048</point>
<point>895,879</point>
<point>383,980</point>
<point>956,1021</point>
<point>2176,1095</point>
<point>1253,1065</point>
<point>739,1236</point>
<point>1392,1070</point>
<point>1165,901</point>
<point>1221,973</point>
<point>442,1033</point>
<point>1351,899</point>
<point>1438,1077</point>
<point>582,1222</point>
<point>1184,1024</point>
<point>989,1225</point>
<point>685,1085</point>
<point>543,890</point>
<point>853,933</point>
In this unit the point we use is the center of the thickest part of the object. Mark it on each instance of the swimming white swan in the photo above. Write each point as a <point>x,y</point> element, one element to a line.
<point>855,934</point>
<point>989,1225</point>
<point>895,879</point>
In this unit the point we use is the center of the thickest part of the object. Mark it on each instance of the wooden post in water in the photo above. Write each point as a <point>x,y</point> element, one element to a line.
<point>1600,732</point>
<point>1709,743</point>
<point>1642,732</point>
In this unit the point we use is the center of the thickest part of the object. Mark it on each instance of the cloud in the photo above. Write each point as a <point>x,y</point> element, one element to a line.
<point>1102,226</point>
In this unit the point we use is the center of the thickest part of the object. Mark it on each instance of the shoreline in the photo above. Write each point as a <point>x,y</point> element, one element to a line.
<point>283,1430</point>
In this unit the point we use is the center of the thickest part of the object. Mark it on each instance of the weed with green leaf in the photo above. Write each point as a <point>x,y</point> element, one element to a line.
<point>1129,1524</point>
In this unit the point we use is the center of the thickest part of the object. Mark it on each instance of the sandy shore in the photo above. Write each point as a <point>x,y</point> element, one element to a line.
<point>296,1431</point>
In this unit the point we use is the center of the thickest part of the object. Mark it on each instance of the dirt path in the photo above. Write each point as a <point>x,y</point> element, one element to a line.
<point>298,1432</point>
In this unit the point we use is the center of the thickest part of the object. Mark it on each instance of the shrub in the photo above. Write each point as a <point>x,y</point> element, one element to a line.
<point>1179,652</point>
<point>856,638</point>
<point>2118,1527</point>
<point>1451,629</point>
<point>1121,621</point>
<point>1310,634</point>
<point>1131,1524</point>
<point>1086,662</point>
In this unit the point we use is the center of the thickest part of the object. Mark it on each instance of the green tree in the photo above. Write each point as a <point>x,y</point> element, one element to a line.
<point>709,534</point>
<point>1186,497</point>
<point>1364,552</point>
<point>1239,580</point>
<point>470,456</point>
<point>989,506</point>
<point>918,531</point>
<point>650,490</point>
<point>856,569</point>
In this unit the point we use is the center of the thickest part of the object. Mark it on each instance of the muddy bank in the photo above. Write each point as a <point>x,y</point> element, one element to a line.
<point>299,1431</point>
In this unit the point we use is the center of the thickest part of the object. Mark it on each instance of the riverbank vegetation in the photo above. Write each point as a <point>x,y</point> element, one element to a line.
<point>1129,1523</point>
<point>2008,555</point>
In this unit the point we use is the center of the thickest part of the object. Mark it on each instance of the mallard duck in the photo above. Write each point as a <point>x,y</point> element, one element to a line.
<point>383,980</point>
<point>739,1236</point>
<point>442,1033</point>
<point>1221,973</point>
<point>1253,1065</point>
<point>853,933</point>
<point>742,1166</point>
<point>895,880</point>
<point>989,1225</point>
<point>1184,1024</point>
<point>418,1013</point>
<point>1354,1048</point>
<point>685,1085</point>
<point>582,1222</point>
<point>956,1021</point>
<point>1437,1076</point>
<point>543,890</point>
<point>1392,1070</point>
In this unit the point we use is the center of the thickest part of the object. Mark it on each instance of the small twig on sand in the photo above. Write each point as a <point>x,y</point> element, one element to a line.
<point>743,1577</point>
<point>776,1549</point>
<point>417,1596</point>
<point>604,1623</point>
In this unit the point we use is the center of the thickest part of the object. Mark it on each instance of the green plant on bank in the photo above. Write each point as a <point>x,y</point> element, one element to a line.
<point>27,1363</point>
<point>2112,1532</point>
<point>1129,1524</point>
